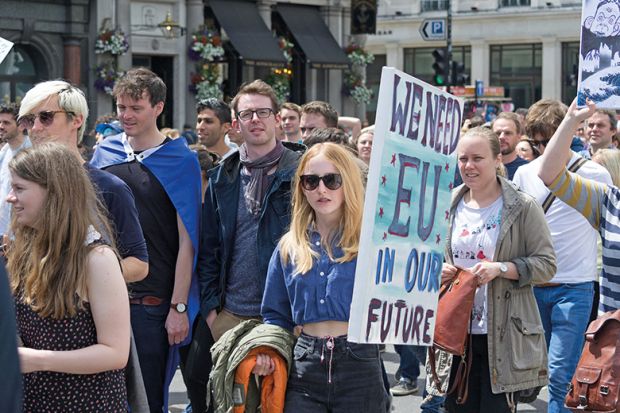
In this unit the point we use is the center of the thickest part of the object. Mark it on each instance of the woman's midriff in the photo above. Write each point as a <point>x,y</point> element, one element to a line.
<point>326,328</point>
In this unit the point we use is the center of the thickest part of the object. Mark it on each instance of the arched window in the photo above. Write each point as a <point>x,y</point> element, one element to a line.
<point>20,71</point>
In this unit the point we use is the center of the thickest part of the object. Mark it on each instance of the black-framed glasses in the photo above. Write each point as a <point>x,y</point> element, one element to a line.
<point>248,114</point>
<point>46,118</point>
<point>543,142</point>
<point>311,182</point>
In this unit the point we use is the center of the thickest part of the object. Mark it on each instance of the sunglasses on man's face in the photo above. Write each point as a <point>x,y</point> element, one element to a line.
<point>46,118</point>
<point>311,182</point>
<point>543,142</point>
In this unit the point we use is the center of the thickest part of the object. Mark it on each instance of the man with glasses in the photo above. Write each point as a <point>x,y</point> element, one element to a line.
<point>213,121</point>
<point>164,176</point>
<point>246,210</point>
<point>56,111</point>
<point>565,302</point>
<point>14,140</point>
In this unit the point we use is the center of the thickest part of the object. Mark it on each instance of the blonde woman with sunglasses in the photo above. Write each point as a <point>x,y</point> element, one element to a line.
<point>310,284</point>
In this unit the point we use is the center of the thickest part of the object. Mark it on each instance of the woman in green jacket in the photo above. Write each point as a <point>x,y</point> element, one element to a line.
<point>500,234</point>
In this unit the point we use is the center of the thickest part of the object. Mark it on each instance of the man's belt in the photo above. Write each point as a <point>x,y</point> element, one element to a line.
<point>146,300</point>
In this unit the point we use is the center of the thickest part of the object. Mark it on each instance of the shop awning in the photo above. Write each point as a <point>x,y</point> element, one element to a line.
<point>313,36</point>
<point>248,33</point>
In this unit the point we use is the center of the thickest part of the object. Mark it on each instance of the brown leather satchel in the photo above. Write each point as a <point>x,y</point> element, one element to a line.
<point>595,385</point>
<point>456,300</point>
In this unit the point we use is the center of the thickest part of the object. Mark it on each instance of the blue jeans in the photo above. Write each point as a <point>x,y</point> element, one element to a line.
<point>410,359</point>
<point>148,325</point>
<point>345,379</point>
<point>565,313</point>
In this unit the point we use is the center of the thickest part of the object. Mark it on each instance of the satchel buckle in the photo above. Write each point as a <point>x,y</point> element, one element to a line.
<point>583,401</point>
<point>604,390</point>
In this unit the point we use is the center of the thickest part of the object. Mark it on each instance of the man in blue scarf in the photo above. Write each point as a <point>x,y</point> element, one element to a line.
<point>164,176</point>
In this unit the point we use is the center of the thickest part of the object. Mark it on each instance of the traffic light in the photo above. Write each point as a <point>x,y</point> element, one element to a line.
<point>440,66</point>
<point>459,77</point>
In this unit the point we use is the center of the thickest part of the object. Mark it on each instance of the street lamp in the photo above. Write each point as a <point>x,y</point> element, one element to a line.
<point>170,28</point>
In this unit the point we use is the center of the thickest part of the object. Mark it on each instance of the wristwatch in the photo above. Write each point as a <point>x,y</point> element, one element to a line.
<point>503,269</point>
<point>179,307</point>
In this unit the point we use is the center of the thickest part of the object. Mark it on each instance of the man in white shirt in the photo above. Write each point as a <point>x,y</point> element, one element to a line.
<point>14,139</point>
<point>566,301</point>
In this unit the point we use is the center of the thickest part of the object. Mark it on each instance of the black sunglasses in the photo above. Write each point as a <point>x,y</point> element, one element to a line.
<point>311,182</point>
<point>544,142</point>
<point>46,118</point>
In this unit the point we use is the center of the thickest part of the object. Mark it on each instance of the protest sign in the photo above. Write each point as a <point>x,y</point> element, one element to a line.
<point>599,57</point>
<point>403,235</point>
<point>5,48</point>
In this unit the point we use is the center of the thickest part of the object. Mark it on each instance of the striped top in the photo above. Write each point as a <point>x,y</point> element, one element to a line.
<point>600,204</point>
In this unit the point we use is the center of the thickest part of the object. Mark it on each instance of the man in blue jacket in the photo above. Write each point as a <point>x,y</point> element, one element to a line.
<point>246,211</point>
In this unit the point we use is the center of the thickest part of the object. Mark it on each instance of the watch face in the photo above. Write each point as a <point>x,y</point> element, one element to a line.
<point>180,307</point>
<point>503,267</point>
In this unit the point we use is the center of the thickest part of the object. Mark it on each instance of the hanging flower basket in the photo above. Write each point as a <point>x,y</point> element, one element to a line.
<point>204,84</point>
<point>205,45</point>
<point>358,56</point>
<point>206,50</point>
<point>354,84</point>
<point>111,41</point>
<point>106,76</point>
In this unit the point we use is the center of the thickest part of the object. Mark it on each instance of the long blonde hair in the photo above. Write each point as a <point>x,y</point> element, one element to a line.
<point>295,244</point>
<point>47,265</point>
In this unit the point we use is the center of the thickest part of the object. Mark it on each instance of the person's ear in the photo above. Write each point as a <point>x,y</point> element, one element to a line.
<point>159,108</point>
<point>587,23</point>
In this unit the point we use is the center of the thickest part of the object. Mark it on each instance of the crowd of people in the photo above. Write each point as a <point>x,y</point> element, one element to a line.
<point>157,246</point>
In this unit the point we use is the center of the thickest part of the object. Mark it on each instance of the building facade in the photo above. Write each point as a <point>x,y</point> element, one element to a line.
<point>57,39</point>
<point>529,47</point>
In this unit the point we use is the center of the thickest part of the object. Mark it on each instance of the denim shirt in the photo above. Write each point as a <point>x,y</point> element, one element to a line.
<point>323,293</point>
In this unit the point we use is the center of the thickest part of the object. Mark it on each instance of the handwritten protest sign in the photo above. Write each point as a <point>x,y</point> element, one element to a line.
<point>5,48</point>
<point>405,213</point>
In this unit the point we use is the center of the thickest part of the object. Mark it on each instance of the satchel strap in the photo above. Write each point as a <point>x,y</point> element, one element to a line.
<point>550,198</point>
<point>461,378</point>
<point>596,325</point>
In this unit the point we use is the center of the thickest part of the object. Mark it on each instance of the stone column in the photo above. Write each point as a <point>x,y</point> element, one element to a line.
<point>333,15</point>
<point>72,60</point>
<point>551,68</point>
<point>480,63</point>
<point>195,19</point>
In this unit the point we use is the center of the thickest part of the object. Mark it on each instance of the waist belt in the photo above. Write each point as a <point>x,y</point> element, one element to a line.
<point>146,300</point>
<point>545,285</point>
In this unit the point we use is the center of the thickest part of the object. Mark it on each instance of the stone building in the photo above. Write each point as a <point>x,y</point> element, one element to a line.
<point>529,47</point>
<point>56,39</point>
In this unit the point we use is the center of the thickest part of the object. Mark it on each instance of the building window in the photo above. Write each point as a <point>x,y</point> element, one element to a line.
<point>518,68</point>
<point>418,62</point>
<point>433,5</point>
<point>373,79</point>
<point>570,69</point>
<point>515,3</point>
<point>20,71</point>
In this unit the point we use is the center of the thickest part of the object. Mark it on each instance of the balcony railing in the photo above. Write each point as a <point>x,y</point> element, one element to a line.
<point>514,3</point>
<point>434,5</point>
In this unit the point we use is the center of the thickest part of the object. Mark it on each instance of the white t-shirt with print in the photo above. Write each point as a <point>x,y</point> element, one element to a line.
<point>474,236</point>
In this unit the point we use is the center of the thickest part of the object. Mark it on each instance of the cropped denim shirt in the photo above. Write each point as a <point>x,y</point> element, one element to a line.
<point>323,293</point>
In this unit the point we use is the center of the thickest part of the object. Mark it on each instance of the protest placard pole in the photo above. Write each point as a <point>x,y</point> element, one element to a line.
<point>449,43</point>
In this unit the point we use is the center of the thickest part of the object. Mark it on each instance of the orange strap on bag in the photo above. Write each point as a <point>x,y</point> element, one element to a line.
<point>273,386</point>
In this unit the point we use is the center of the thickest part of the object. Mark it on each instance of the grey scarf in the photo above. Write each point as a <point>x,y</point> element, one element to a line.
<point>258,168</point>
